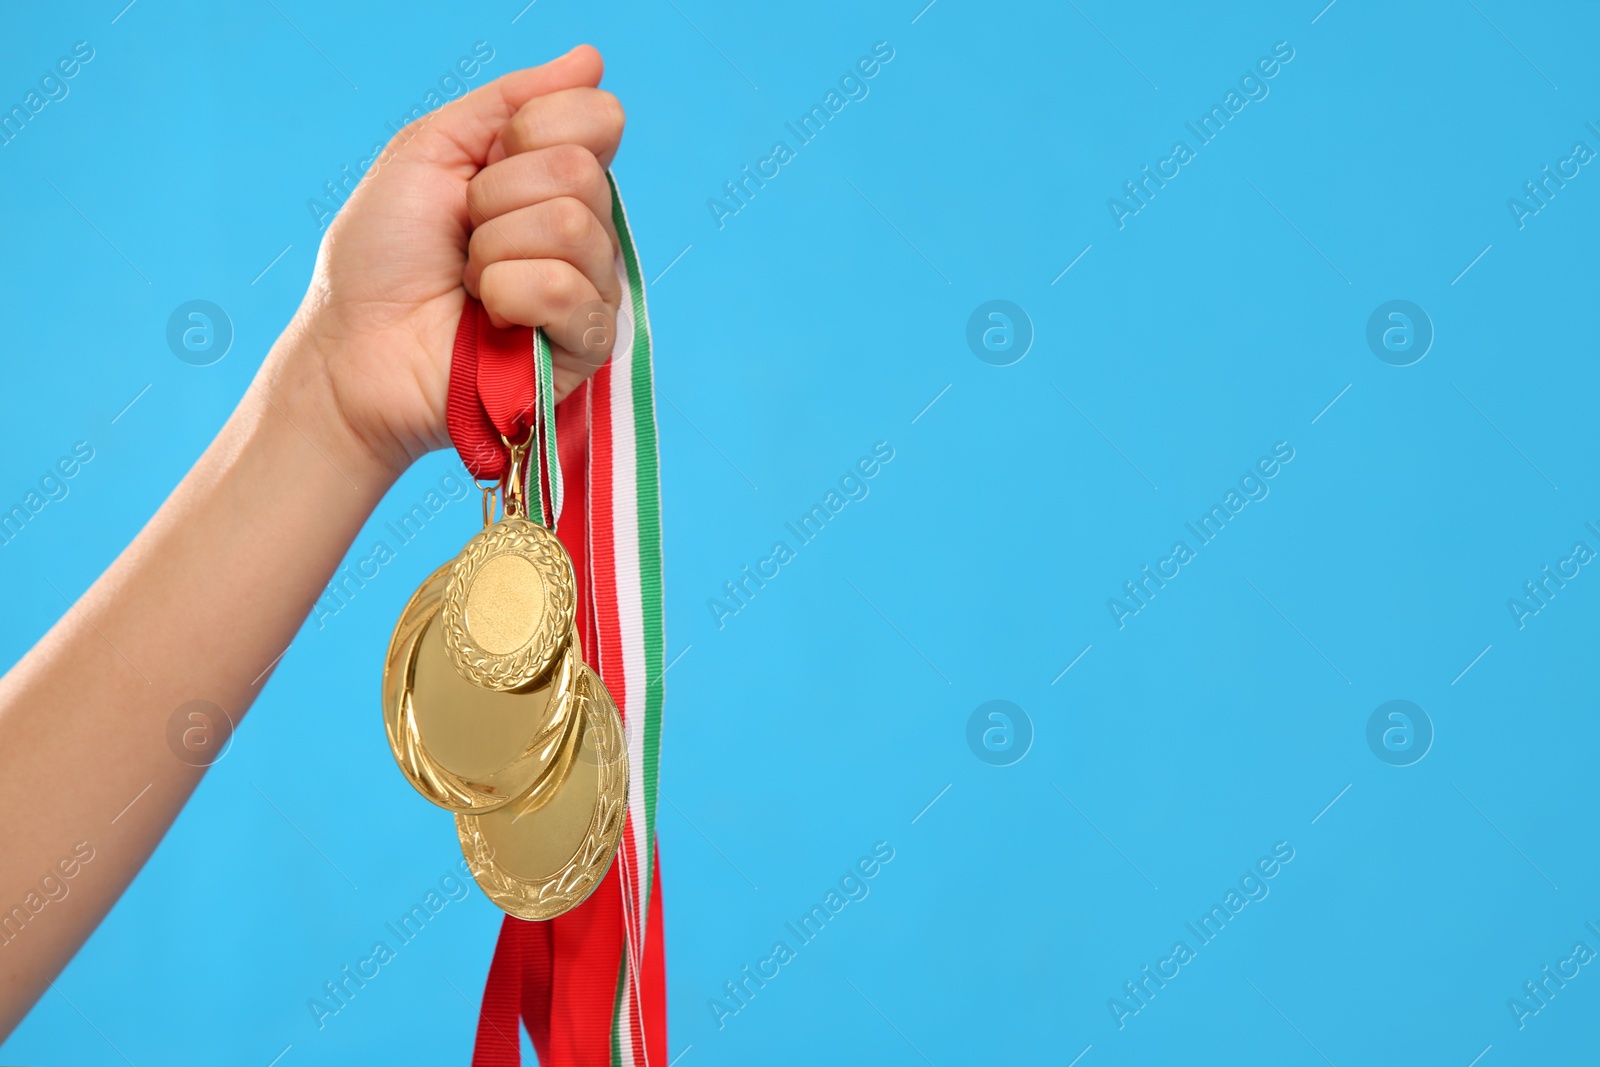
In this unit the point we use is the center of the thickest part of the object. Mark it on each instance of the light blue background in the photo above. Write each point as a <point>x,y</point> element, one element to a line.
<point>830,711</point>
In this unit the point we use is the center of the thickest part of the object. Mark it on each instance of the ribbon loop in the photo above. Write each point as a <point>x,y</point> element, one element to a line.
<point>502,389</point>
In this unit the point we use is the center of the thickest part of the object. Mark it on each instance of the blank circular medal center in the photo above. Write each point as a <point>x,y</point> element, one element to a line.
<point>505,604</point>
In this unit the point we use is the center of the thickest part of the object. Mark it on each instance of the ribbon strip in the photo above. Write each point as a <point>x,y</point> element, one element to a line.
<point>502,389</point>
<point>590,985</point>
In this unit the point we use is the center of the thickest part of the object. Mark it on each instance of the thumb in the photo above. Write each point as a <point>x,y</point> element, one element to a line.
<point>464,130</point>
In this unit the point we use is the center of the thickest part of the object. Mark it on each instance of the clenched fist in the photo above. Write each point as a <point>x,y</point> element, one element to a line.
<point>501,194</point>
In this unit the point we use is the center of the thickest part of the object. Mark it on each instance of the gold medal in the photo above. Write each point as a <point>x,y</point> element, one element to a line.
<point>508,606</point>
<point>462,747</point>
<point>507,609</point>
<point>539,858</point>
<point>490,710</point>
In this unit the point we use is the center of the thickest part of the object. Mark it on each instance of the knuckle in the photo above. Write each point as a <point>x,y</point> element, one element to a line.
<point>566,285</point>
<point>570,222</point>
<point>573,167</point>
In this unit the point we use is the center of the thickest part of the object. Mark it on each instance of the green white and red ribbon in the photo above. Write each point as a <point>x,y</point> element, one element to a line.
<point>625,534</point>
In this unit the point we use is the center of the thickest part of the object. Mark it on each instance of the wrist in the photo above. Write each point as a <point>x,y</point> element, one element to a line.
<point>294,388</point>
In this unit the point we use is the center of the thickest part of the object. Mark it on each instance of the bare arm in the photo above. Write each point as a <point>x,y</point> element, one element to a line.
<point>215,587</point>
<point>195,608</point>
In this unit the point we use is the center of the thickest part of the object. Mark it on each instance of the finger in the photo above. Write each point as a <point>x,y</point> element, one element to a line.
<point>589,117</point>
<point>534,177</point>
<point>563,229</point>
<point>554,295</point>
<point>469,127</point>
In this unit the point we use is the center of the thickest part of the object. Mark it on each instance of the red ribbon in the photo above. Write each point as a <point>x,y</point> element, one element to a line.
<point>494,393</point>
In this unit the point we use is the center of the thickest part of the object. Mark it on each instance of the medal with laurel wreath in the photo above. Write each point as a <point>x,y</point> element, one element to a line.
<point>508,606</point>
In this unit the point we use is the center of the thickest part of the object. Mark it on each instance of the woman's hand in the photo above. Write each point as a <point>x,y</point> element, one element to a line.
<point>501,194</point>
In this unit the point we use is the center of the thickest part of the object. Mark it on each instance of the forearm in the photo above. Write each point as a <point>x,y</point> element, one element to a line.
<point>198,607</point>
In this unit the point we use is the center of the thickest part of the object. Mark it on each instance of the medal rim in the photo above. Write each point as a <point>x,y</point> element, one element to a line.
<point>539,546</point>
<point>561,891</point>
